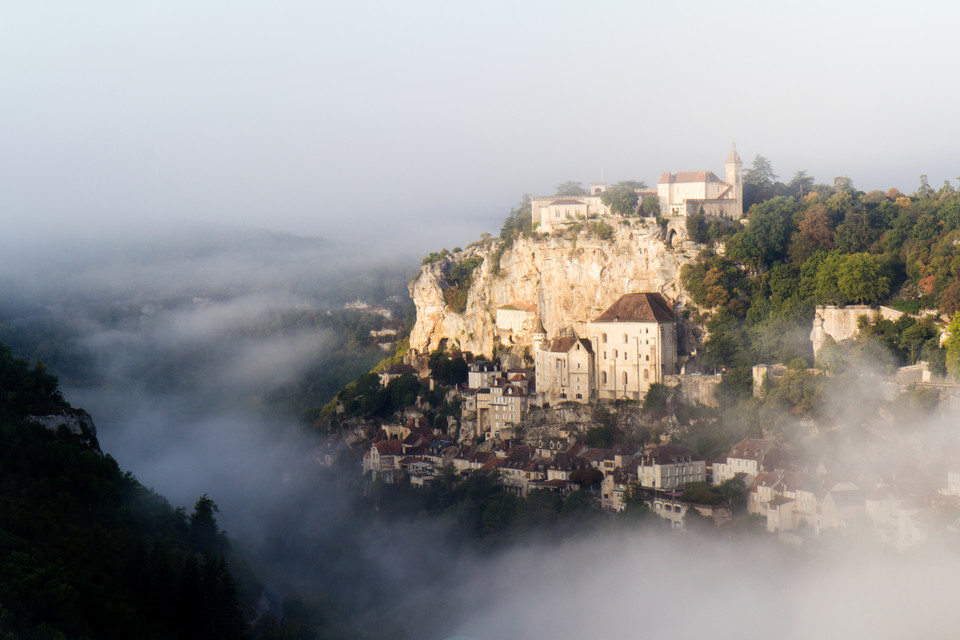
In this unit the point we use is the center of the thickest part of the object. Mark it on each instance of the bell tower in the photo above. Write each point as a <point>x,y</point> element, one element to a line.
<point>733,169</point>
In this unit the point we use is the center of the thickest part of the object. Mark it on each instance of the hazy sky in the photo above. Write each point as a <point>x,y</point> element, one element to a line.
<point>349,118</point>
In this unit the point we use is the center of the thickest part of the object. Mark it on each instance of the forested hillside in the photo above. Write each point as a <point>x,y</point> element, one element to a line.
<point>86,551</point>
<point>805,245</point>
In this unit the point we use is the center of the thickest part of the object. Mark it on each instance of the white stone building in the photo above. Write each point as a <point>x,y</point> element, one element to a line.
<point>565,371</point>
<point>670,467</point>
<point>548,212</point>
<point>634,344</point>
<point>686,192</point>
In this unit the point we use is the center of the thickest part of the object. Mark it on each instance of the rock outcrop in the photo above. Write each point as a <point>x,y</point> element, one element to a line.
<point>570,277</point>
<point>76,421</point>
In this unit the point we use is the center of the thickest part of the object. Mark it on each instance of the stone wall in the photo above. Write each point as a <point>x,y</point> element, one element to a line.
<point>696,388</point>
<point>840,323</point>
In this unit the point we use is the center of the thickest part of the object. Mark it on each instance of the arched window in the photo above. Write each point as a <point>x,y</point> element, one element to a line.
<point>603,377</point>
<point>604,338</point>
<point>624,378</point>
<point>624,338</point>
<point>646,374</point>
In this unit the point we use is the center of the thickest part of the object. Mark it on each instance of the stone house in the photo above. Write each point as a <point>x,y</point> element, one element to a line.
<point>747,456</point>
<point>670,467</point>
<point>549,212</point>
<point>614,488</point>
<point>515,319</point>
<point>382,456</point>
<point>482,373</point>
<point>500,406</point>
<point>394,371</point>
<point>565,371</point>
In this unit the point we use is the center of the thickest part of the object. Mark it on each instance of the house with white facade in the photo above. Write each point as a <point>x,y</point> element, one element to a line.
<point>549,212</point>
<point>565,371</point>
<point>686,192</point>
<point>670,467</point>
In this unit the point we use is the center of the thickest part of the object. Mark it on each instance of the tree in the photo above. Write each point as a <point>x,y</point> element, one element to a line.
<point>697,227</point>
<point>587,477</point>
<point>655,400</point>
<point>950,299</point>
<point>633,184</point>
<point>860,279</point>
<point>953,347</point>
<point>571,188</point>
<point>801,183</point>
<point>203,526</point>
<point>621,199</point>
<point>765,240</point>
<point>761,174</point>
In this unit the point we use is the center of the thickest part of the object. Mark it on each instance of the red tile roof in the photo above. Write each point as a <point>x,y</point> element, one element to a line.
<point>689,176</point>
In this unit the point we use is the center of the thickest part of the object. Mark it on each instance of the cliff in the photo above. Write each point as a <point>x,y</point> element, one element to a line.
<point>570,277</point>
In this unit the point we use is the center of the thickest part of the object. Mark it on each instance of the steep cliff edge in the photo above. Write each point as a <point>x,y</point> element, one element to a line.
<point>569,276</point>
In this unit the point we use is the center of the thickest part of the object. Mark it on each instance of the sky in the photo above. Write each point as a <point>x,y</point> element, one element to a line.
<point>428,120</point>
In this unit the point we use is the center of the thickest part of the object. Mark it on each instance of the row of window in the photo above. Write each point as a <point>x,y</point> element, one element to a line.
<point>626,338</point>
<point>625,377</point>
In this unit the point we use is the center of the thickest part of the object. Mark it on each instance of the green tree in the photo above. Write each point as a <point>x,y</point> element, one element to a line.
<point>655,400</point>
<point>953,347</point>
<point>861,280</point>
<point>760,174</point>
<point>697,227</point>
<point>765,239</point>
<point>801,183</point>
<point>571,188</point>
<point>621,199</point>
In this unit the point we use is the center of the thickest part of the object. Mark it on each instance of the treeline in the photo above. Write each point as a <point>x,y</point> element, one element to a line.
<point>810,245</point>
<point>85,550</point>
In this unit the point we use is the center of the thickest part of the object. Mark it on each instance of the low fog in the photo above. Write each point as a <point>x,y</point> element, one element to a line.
<point>209,430</point>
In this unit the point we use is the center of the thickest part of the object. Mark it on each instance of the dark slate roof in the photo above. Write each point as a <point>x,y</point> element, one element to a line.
<point>671,454</point>
<point>563,345</point>
<point>638,307</point>
<point>399,369</point>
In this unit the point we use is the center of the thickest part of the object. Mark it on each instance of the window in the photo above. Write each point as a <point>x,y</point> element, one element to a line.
<point>604,339</point>
<point>646,374</point>
<point>624,378</point>
<point>624,338</point>
<point>603,377</point>
<point>647,357</point>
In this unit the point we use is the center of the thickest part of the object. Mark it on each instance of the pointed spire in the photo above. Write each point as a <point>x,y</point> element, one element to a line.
<point>734,156</point>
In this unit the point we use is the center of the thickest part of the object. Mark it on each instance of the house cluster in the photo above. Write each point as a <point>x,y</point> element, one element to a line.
<point>626,348</point>
<point>679,194</point>
<point>496,400</point>
<point>656,474</point>
<point>794,499</point>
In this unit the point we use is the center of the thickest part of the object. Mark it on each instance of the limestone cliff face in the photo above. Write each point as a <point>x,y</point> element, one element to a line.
<point>569,277</point>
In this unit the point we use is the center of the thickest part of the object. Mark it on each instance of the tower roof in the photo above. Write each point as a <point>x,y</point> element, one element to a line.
<point>734,156</point>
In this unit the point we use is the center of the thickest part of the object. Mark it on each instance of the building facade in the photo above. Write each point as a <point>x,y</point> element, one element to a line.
<point>686,192</point>
<point>635,345</point>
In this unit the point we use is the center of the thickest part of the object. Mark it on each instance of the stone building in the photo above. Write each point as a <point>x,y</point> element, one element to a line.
<point>670,467</point>
<point>635,344</point>
<point>548,212</point>
<point>686,192</point>
<point>565,371</point>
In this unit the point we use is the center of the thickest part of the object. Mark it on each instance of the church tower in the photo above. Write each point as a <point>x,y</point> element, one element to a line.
<point>734,177</point>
